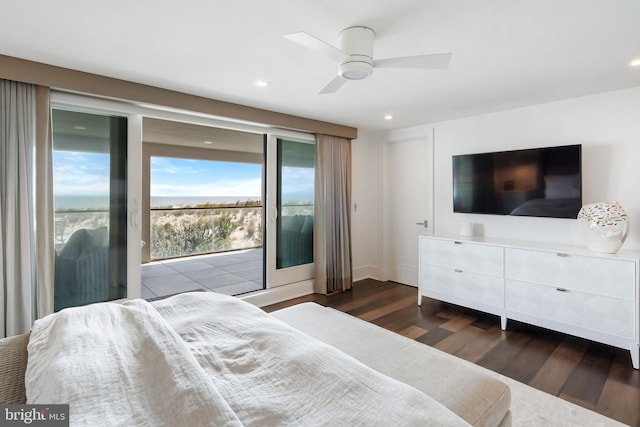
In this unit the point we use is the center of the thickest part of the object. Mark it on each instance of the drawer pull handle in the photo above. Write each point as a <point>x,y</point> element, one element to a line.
<point>560,254</point>
<point>457,270</point>
<point>562,290</point>
<point>457,243</point>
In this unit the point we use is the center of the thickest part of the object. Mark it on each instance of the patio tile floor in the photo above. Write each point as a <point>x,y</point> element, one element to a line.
<point>230,273</point>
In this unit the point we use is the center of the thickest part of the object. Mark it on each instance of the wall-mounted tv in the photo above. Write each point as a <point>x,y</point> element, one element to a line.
<point>542,182</point>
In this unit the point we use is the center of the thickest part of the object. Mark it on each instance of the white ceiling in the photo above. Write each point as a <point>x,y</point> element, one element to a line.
<point>506,53</point>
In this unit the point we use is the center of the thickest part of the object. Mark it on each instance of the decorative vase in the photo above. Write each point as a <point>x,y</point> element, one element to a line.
<point>606,226</point>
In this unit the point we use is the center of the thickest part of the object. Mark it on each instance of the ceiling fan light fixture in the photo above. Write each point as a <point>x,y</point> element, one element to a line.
<point>355,56</point>
<point>355,70</point>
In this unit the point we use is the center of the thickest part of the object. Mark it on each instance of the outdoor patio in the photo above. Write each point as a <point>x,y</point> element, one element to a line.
<point>230,273</point>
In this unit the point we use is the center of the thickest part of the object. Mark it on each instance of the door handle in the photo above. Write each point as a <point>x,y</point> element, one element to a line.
<point>135,215</point>
<point>424,223</point>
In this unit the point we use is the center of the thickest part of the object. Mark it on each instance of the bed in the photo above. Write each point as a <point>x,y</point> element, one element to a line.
<point>209,359</point>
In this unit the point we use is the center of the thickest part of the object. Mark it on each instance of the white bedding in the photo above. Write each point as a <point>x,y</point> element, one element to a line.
<point>120,365</point>
<point>208,359</point>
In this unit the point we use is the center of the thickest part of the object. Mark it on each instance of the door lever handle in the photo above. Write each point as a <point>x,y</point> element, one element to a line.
<point>424,223</point>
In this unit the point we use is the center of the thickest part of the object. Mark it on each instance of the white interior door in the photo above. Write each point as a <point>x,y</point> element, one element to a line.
<point>407,204</point>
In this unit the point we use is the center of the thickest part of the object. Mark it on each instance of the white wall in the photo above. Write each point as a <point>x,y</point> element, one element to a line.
<point>366,196</point>
<point>607,125</point>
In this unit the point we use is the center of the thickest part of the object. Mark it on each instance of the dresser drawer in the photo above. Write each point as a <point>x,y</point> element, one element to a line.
<point>602,276</point>
<point>462,284</point>
<point>613,316</point>
<point>469,257</point>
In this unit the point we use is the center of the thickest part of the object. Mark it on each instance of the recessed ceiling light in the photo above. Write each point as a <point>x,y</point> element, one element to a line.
<point>635,62</point>
<point>78,127</point>
<point>207,142</point>
<point>388,117</point>
<point>261,83</point>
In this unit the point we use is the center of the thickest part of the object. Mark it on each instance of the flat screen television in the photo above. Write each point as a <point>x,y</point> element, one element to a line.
<point>541,182</point>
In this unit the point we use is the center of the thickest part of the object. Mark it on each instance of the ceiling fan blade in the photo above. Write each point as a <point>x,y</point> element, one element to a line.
<point>435,61</point>
<point>335,84</point>
<point>313,43</point>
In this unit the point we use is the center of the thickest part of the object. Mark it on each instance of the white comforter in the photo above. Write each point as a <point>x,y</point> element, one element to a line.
<point>208,359</point>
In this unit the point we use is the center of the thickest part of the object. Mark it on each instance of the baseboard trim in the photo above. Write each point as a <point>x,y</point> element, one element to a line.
<point>406,274</point>
<point>366,272</point>
<point>279,294</point>
<point>295,290</point>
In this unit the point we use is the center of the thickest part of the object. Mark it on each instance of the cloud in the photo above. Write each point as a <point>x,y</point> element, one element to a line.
<point>298,180</point>
<point>223,188</point>
<point>165,165</point>
<point>80,174</point>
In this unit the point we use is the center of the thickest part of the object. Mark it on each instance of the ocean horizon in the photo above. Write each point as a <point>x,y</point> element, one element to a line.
<point>102,202</point>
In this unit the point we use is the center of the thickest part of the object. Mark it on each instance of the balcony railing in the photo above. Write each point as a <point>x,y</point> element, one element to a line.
<point>178,232</point>
<point>296,209</point>
<point>67,222</point>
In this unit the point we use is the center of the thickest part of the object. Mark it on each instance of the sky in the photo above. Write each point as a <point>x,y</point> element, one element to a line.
<point>80,174</point>
<point>87,174</point>
<point>172,177</point>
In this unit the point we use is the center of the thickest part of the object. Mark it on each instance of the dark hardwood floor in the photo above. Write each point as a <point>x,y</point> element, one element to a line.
<point>592,375</point>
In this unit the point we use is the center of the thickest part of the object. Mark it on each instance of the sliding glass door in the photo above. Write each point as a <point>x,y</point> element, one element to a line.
<point>224,209</point>
<point>103,230</point>
<point>290,209</point>
<point>90,214</point>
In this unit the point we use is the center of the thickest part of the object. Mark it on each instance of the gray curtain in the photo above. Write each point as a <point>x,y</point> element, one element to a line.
<point>17,225</point>
<point>44,204</point>
<point>332,222</point>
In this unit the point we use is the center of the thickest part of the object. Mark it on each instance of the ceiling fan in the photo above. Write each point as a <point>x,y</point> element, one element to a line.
<point>355,56</point>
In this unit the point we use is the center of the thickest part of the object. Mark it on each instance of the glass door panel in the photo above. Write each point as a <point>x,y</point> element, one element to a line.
<point>290,193</point>
<point>90,212</point>
<point>294,245</point>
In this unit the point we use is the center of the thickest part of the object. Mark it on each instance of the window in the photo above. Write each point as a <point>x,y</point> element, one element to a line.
<point>90,216</point>
<point>295,203</point>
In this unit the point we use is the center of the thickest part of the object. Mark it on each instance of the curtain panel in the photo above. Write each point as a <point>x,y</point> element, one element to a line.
<point>44,204</point>
<point>332,222</point>
<point>17,197</point>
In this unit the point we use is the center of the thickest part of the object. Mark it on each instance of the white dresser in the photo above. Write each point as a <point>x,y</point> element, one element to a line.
<point>463,273</point>
<point>563,288</point>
